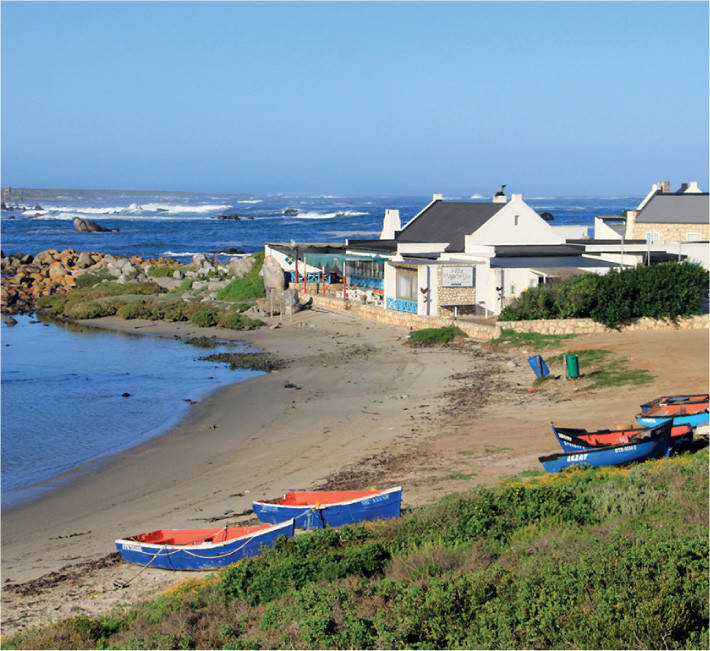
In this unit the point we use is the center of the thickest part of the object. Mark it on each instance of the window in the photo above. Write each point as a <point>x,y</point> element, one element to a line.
<point>652,237</point>
<point>407,284</point>
<point>692,237</point>
<point>516,220</point>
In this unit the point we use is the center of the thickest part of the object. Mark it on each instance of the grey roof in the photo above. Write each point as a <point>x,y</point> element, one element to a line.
<point>675,209</point>
<point>376,246</point>
<point>448,221</point>
<point>537,250</point>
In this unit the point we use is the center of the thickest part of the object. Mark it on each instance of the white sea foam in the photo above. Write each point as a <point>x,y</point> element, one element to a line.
<point>327,215</point>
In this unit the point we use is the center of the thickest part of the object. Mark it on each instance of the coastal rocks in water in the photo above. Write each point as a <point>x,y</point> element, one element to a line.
<point>8,320</point>
<point>273,275</point>
<point>88,226</point>
<point>26,278</point>
<point>232,217</point>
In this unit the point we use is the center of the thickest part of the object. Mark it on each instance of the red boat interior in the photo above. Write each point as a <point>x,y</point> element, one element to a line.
<point>322,497</point>
<point>195,536</point>
<point>624,436</point>
<point>676,410</point>
<point>676,400</point>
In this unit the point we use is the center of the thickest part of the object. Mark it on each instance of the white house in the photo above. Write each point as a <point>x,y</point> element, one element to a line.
<point>472,257</point>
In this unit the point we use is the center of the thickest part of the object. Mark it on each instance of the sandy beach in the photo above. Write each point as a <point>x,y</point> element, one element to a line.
<point>353,407</point>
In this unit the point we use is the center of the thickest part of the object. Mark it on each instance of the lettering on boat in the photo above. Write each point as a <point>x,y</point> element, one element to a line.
<point>131,546</point>
<point>626,448</point>
<point>578,457</point>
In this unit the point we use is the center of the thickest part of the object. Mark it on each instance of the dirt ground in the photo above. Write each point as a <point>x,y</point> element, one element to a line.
<point>477,420</point>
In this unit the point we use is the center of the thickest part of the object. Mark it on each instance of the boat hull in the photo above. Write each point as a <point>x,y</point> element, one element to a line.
<point>381,506</point>
<point>615,455</point>
<point>699,418</point>
<point>205,556</point>
<point>574,440</point>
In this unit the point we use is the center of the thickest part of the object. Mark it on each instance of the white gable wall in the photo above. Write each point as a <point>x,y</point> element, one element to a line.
<point>515,223</point>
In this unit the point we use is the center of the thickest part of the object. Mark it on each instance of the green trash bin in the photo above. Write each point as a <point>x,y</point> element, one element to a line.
<point>572,366</point>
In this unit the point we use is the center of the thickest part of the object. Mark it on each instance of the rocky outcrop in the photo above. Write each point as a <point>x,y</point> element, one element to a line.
<point>273,275</point>
<point>87,226</point>
<point>25,278</point>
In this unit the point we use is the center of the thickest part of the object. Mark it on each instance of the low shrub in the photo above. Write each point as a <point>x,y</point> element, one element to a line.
<point>136,310</point>
<point>249,287</point>
<point>205,317</point>
<point>431,336</point>
<point>168,271</point>
<point>88,309</point>
<point>235,321</point>
<point>91,279</point>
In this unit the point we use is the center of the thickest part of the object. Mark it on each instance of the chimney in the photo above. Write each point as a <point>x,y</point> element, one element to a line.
<point>683,188</point>
<point>664,187</point>
<point>693,188</point>
<point>438,197</point>
<point>499,196</point>
<point>390,225</point>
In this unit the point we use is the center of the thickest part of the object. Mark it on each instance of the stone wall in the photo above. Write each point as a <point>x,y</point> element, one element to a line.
<point>671,232</point>
<point>487,332</point>
<point>587,326</point>
<point>411,321</point>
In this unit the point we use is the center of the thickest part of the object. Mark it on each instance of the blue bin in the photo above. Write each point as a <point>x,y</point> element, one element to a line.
<point>538,365</point>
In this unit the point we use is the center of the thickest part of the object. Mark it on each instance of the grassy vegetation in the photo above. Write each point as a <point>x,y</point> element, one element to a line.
<point>590,558</point>
<point>604,369</point>
<point>432,336</point>
<point>247,288</point>
<point>531,340</point>
<point>142,301</point>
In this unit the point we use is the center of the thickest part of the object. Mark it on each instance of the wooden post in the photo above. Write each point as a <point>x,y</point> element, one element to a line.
<point>305,273</point>
<point>322,275</point>
<point>344,278</point>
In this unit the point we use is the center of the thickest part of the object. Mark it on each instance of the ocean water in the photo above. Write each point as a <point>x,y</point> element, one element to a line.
<point>62,388</point>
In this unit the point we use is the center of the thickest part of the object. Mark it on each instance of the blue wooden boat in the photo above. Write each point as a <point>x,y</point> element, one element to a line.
<point>688,413</point>
<point>320,509</point>
<point>200,549</point>
<point>653,447</point>
<point>574,439</point>
<point>676,400</point>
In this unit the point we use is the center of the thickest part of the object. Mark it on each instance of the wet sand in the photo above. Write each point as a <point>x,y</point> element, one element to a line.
<point>354,407</point>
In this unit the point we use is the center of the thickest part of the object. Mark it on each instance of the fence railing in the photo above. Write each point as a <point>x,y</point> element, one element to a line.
<point>400,305</point>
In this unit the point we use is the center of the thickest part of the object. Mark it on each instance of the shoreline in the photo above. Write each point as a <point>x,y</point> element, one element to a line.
<point>354,407</point>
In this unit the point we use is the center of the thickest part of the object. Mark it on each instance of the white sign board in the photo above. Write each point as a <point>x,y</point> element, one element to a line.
<point>457,276</point>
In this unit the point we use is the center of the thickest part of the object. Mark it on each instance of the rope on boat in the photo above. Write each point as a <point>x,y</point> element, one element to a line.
<point>163,548</point>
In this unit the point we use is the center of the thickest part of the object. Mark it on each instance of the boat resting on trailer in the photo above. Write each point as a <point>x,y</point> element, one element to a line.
<point>200,549</point>
<point>654,446</point>
<point>320,509</point>
<point>573,439</point>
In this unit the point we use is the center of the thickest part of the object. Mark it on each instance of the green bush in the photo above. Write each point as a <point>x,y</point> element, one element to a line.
<point>235,321</point>
<point>136,310</point>
<point>205,317</point>
<point>249,287</point>
<point>168,271</point>
<point>430,336</point>
<point>667,290</point>
<point>88,309</point>
<point>90,279</point>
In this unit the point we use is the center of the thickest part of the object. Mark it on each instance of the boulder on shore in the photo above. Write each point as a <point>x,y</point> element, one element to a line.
<point>88,226</point>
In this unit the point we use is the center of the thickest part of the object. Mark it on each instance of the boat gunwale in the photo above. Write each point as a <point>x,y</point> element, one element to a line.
<point>205,545</point>
<point>321,506</point>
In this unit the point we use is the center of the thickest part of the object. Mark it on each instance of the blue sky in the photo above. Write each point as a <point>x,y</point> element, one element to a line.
<point>385,98</point>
